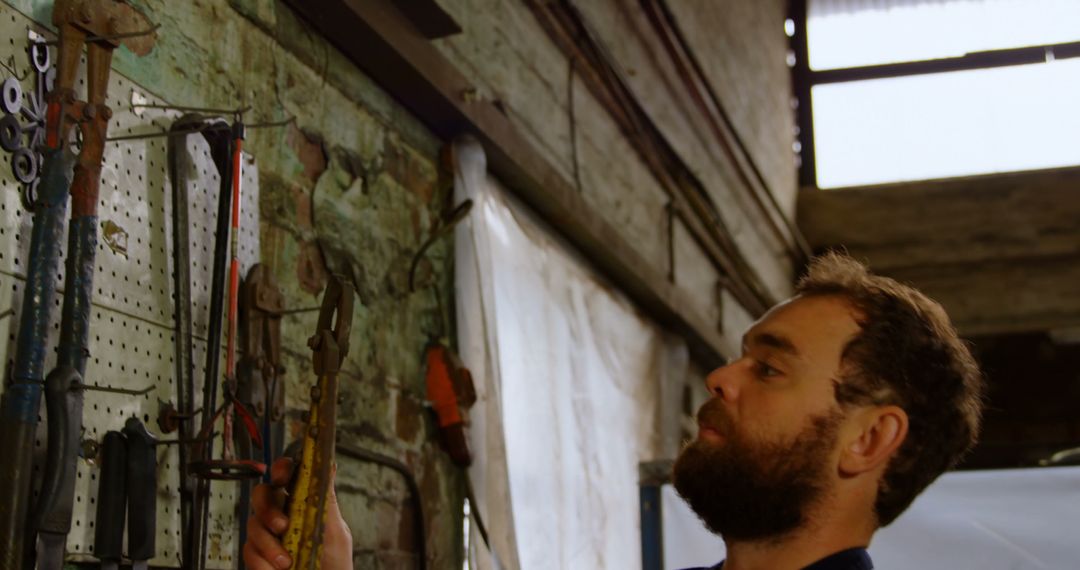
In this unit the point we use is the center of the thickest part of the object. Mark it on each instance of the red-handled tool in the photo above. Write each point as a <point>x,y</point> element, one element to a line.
<point>450,390</point>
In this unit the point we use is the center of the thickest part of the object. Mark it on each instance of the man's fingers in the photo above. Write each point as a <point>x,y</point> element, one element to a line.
<point>253,560</point>
<point>261,544</point>
<point>266,509</point>
<point>281,471</point>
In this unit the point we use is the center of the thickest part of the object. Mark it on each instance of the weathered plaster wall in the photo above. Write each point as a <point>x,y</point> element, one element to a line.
<point>506,52</point>
<point>353,187</point>
<point>743,48</point>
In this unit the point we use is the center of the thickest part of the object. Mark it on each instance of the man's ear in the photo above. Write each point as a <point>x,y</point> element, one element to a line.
<point>875,435</point>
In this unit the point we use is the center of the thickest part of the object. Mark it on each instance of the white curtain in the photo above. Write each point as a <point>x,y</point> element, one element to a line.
<point>567,380</point>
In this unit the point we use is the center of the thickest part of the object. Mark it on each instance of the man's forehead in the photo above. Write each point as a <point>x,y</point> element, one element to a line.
<point>802,323</point>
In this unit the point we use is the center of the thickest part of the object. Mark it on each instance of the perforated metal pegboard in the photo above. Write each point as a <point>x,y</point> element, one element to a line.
<point>131,333</point>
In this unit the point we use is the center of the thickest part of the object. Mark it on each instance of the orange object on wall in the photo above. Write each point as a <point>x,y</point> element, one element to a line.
<point>450,389</point>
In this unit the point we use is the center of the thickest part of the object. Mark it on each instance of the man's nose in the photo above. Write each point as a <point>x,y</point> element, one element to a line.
<point>724,382</point>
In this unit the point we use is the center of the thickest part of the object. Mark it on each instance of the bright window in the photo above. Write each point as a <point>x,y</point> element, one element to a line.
<point>913,124</point>
<point>854,33</point>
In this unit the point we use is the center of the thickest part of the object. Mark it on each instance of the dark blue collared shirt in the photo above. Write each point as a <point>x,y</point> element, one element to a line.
<point>851,559</point>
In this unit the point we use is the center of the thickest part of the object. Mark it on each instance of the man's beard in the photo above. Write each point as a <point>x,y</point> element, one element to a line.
<point>751,491</point>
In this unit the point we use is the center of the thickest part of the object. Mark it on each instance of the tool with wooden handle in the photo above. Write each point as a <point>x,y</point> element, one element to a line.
<point>312,476</point>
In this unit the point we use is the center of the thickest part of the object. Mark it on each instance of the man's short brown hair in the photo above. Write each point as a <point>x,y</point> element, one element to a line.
<point>908,354</point>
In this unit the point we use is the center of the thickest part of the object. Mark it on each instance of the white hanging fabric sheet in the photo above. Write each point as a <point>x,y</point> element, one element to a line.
<point>566,372</point>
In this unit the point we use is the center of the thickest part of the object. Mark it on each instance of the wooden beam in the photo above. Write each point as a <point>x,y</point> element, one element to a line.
<point>1001,252</point>
<point>1016,216</point>
<point>429,18</point>
<point>376,36</point>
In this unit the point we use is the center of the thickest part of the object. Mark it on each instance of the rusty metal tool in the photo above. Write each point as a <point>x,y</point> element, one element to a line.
<point>182,418</point>
<point>80,22</point>
<point>259,384</point>
<point>311,484</point>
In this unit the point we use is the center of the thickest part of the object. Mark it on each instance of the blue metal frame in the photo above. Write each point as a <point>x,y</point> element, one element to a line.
<point>652,529</point>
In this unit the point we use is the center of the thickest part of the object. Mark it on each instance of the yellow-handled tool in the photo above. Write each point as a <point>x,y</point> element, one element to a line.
<point>312,475</point>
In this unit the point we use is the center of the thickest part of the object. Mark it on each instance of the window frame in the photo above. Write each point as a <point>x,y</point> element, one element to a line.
<point>804,79</point>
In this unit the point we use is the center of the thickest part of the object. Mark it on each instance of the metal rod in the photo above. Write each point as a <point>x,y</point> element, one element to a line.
<point>304,310</point>
<point>970,61</point>
<point>221,151</point>
<point>186,109</point>
<point>187,441</point>
<point>456,216</point>
<point>110,37</point>
<point>163,134</point>
<point>419,526</point>
<point>185,363</point>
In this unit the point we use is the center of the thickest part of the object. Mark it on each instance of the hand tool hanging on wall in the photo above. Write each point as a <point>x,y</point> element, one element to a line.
<point>228,467</point>
<point>213,130</point>
<point>97,24</point>
<point>259,384</point>
<point>311,484</point>
<point>451,392</point>
<point>226,149</point>
<point>127,486</point>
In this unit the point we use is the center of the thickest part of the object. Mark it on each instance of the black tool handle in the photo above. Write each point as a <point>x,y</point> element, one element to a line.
<point>63,404</point>
<point>142,490</point>
<point>112,487</point>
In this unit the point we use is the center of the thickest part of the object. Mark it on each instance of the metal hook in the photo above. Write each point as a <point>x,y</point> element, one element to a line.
<point>87,387</point>
<point>181,441</point>
<point>456,216</point>
<point>9,65</point>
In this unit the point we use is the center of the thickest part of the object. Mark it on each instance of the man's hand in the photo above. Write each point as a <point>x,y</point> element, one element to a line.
<point>263,550</point>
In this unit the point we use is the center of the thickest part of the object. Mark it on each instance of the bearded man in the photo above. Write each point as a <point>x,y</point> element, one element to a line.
<point>848,400</point>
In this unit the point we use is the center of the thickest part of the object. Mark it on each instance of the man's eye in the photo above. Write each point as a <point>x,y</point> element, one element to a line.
<point>766,371</point>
